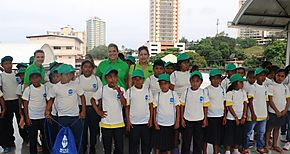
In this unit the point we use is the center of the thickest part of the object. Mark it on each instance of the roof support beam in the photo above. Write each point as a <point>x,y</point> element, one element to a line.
<point>281,7</point>
<point>267,16</point>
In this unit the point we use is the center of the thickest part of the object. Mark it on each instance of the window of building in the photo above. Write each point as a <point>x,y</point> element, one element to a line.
<point>56,47</point>
<point>68,47</point>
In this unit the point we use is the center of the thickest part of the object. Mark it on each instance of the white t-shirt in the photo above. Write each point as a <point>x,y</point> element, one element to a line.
<point>1,95</point>
<point>19,92</point>
<point>166,107</point>
<point>49,86</point>
<point>90,85</point>
<point>153,84</point>
<point>216,97</point>
<point>225,84</point>
<point>111,103</point>
<point>36,98</point>
<point>180,80</point>
<point>66,96</point>
<point>247,86</point>
<point>139,100</point>
<point>194,102</point>
<point>280,93</point>
<point>236,99</point>
<point>268,82</point>
<point>260,98</point>
<point>9,84</point>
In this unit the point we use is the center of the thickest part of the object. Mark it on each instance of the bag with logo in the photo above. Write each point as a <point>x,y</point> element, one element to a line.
<point>64,142</point>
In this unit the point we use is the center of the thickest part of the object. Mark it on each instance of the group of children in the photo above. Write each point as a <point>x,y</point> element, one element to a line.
<point>157,110</point>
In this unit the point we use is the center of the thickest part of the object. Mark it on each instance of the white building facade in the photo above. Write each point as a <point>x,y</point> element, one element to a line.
<point>96,33</point>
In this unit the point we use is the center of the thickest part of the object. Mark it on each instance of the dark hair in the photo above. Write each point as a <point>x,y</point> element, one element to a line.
<point>158,62</point>
<point>287,68</point>
<point>38,51</point>
<point>179,63</point>
<point>242,68</point>
<point>272,68</point>
<point>143,48</point>
<point>87,61</point>
<point>121,56</point>
<point>194,68</point>
<point>266,64</point>
<point>112,45</point>
<point>251,72</point>
<point>232,86</point>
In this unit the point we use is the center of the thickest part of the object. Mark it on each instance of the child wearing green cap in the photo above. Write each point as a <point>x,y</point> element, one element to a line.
<point>34,100</point>
<point>90,83</point>
<point>67,95</point>
<point>279,99</point>
<point>166,116</point>
<point>258,113</point>
<point>216,111</point>
<point>130,60</point>
<point>108,102</point>
<point>139,114</point>
<point>169,68</point>
<point>152,81</point>
<point>8,85</point>
<point>194,107</point>
<point>270,75</point>
<point>230,70</point>
<point>251,80</point>
<point>236,103</point>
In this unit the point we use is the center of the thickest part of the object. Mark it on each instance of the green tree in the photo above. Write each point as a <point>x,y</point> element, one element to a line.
<point>99,52</point>
<point>276,53</point>
<point>197,59</point>
<point>252,62</point>
<point>246,42</point>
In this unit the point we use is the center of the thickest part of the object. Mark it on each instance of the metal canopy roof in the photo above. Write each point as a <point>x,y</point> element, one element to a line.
<point>263,14</point>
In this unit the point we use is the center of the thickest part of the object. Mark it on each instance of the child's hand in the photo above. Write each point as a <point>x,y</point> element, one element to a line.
<point>254,117</point>
<point>204,123</point>
<point>102,114</point>
<point>224,121</point>
<point>83,115</point>
<point>183,123</point>
<point>28,121</point>
<point>279,114</point>
<point>2,115</point>
<point>150,123</point>
<point>47,114</point>
<point>117,88</point>
<point>157,126</point>
<point>237,121</point>
<point>176,126</point>
<point>284,112</point>
<point>129,126</point>
<point>243,121</point>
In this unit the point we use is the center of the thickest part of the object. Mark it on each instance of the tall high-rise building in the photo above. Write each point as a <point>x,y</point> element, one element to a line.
<point>96,33</point>
<point>164,18</point>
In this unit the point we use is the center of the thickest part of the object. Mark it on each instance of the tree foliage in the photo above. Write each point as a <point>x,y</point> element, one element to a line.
<point>99,52</point>
<point>276,52</point>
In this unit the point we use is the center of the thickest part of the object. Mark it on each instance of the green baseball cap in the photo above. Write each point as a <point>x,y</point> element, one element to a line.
<point>51,71</point>
<point>237,77</point>
<point>196,73</point>
<point>72,69</point>
<point>52,64</point>
<point>230,67</point>
<point>34,71</point>
<point>6,58</point>
<point>131,59</point>
<point>31,59</point>
<point>168,63</point>
<point>215,72</point>
<point>63,69</point>
<point>109,70</point>
<point>260,70</point>
<point>182,57</point>
<point>164,77</point>
<point>19,65</point>
<point>138,73</point>
<point>21,70</point>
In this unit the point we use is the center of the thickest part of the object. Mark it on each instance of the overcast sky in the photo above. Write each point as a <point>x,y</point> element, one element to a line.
<point>127,21</point>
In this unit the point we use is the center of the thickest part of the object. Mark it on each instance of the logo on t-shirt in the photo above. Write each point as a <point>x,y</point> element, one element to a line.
<point>118,96</point>
<point>70,92</point>
<point>265,93</point>
<point>201,99</point>
<point>95,86</point>
<point>44,95</point>
<point>171,100</point>
<point>146,97</point>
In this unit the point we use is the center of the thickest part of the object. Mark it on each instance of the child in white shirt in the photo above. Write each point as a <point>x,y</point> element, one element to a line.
<point>231,69</point>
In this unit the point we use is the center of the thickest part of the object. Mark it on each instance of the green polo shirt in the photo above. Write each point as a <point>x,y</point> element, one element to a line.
<point>147,72</point>
<point>120,65</point>
<point>31,67</point>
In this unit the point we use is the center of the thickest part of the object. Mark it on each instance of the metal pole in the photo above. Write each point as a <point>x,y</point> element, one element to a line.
<point>288,45</point>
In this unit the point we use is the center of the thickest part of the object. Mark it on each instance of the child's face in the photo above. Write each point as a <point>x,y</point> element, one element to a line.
<point>158,70</point>
<point>21,76</point>
<point>241,71</point>
<point>215,80</point>
<point>7,66</point>
<point>280,77</point>
<point>55,78</point>
<point>169,69</point>
<point>184,66</point>
<point>251,78</point>
<point>65,78</point>
<point>230,73</point>
<point>271,75</point>
<point>112,79</point>
<point>35,79</point>
<point>87,69</point>
<point>138,81</point>
<point>261,77</point>
<point>195,82</point>
<point>164,86</point>
<point>72,76</point>
<point>240,85</point>
<point>143,56</point>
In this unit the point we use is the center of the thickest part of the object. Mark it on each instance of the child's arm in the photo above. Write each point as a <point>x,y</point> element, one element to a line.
<point>245,110</point>
<point>83,101</point>
<point>177,121</point>
<point>155,120</point>
<point>284,112</point>
<point>19,105</point>
<point>151,115</point>
<point>182,116</point>
<point>273,106</point>
<point>225,114</point>
<point>2,103</point>
<point>129,124</point>
<point>49,107</point>
<point>234,114</point>
<point>122,97</point>
<point>253,115</point>
<point>98,108</point>
<point>28,121</point>
<point>205,122</point>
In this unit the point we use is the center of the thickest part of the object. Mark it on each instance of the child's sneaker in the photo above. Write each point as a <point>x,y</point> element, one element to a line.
<point>236,152</point>
<point>283,138</point>
<point>245,151</point>
<point>262,150</point>
<point>287,146</point>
